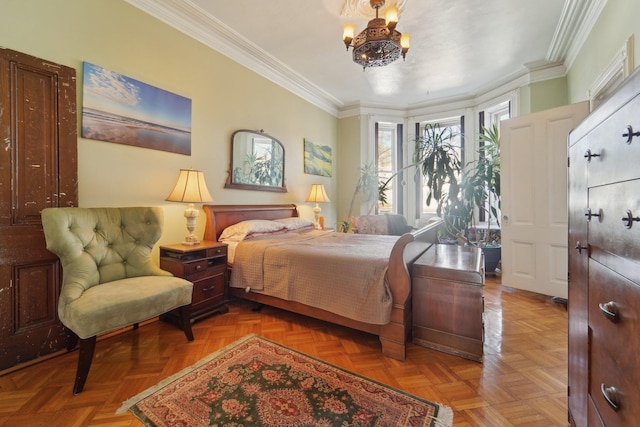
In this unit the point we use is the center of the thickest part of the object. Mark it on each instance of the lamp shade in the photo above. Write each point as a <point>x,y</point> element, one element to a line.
<point>317,194</point>
<point>190,187</point>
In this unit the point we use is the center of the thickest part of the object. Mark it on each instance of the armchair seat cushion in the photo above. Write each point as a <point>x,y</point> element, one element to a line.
<point>103,309</point>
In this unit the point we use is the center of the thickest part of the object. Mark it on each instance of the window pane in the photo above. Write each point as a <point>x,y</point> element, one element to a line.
<point>456,130</point>
<point>386,147</point>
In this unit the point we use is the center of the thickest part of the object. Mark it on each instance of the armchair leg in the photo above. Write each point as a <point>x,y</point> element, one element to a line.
<point>87,347</point>
<point>185,317</point>
<point>73,341</point>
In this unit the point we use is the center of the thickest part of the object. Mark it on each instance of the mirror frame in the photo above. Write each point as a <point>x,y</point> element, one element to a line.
<point>231,183</point>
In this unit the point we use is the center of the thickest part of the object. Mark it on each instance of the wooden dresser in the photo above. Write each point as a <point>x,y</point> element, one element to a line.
<point>448,303</point>
<point>604,263</point>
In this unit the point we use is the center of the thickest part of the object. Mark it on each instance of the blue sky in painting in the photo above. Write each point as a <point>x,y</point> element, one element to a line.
<point>114,93</point>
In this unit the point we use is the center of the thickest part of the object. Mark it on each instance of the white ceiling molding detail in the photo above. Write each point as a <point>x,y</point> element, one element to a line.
<point>577,21</point>
<point>618,69</point>
<point>189,18</point>
<point>196,23</point>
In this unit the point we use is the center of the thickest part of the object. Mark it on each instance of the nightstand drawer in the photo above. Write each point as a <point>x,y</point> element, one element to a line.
<point>195,267</point>
<point>217,251</point>
<point>208,288</point>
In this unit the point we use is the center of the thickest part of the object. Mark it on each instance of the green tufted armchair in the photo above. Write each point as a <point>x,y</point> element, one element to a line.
<point>109,279</point>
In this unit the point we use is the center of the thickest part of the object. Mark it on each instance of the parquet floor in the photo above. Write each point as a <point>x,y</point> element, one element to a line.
<point>522,382</point>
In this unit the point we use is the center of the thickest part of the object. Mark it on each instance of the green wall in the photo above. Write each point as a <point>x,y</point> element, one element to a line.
<point>349,161</point>
<point>225,97</point>
<point>548,94</point>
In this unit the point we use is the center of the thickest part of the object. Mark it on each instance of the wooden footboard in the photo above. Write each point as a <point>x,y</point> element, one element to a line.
<point>407,249</point>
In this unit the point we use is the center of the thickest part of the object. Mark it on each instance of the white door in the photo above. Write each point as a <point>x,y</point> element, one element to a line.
<point>534,198</point>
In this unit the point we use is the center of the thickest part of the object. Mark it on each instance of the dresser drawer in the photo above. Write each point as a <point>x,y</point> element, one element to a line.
<point>207,289</point>
<point>617,159</point>
<point>616,230</point>
<point>604,374</point>
<point>620,335</point>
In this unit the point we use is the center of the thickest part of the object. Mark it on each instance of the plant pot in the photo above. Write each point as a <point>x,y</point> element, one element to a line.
<point>492,256</point>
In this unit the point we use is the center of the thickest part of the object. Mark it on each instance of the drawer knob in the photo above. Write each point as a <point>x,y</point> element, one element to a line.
<point>629,134</point>
<point>589,215</point>
<point>198,267</point>
<point>580,248</point>
<point>611,396</point>
<point>628,219</point>
<point>610,310</point>
<point>588,155</point>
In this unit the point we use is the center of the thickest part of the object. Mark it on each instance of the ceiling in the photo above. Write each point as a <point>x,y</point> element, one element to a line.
<point>460,49</point>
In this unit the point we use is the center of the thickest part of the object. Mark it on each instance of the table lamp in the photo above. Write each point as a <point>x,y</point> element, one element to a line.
<point>317,194</point>
<point>190,188</point>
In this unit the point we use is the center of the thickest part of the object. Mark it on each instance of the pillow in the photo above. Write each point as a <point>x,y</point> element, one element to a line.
<point>294,223</point>
<point>240,231</point>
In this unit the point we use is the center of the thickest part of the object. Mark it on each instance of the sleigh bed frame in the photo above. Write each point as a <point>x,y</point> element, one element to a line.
<point>406,250</point>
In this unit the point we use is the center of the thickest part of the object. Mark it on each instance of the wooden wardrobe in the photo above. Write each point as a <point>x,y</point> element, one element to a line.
<point>38,169</point>
<point>604,262</point>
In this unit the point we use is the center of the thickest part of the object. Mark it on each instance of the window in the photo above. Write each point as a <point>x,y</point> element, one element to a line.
<point>456,124</point>
<point>488,118</point>
<point>388,162</point>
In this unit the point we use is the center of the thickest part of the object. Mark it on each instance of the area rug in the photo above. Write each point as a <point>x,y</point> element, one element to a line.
<point>256,382</point>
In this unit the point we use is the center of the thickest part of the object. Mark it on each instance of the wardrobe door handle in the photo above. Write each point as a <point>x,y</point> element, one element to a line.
<point>580,248</point>
<point>588,155</point>
<point>611,396</point>
<point>610,310</point>
<point>629,219</point>
<point>629,134</point>
<point>589,215</point>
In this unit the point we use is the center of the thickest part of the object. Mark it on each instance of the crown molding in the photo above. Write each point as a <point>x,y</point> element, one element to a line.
<point>576,22</point>
<point>198,24</point>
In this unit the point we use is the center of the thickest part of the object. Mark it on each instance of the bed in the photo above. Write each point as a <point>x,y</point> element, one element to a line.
<point>402,252</point>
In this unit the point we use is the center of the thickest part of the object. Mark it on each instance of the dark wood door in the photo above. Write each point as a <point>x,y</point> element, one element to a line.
<point>38,169</point>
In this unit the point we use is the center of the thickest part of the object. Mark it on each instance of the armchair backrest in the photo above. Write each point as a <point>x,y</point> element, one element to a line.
<point>99,245</point>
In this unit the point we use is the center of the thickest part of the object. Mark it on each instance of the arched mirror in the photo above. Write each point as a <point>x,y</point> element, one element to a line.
<point>257,162</point>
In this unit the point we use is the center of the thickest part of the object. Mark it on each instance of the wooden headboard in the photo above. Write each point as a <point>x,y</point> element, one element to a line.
<point>220,217</point>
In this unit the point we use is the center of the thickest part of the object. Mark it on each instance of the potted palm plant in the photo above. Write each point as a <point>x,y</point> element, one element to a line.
<point>479,189</point>
<point>439,162</point>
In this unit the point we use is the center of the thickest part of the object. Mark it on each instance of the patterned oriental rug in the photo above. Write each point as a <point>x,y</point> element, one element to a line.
<point>256,382</point>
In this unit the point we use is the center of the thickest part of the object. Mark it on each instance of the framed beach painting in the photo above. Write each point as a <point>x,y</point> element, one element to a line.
<point>126,111</point>
<point>317,159</point>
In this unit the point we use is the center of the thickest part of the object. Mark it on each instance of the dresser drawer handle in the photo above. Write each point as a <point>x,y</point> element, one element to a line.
<point>611,396</point>
<point>629,219</point>
<point>610,310</point>
<point>629,134</point>
<point>580,248</point>
<point>198,267</point>
<point>588,155</point>
<point>589,215</point>
<point>210,288</point>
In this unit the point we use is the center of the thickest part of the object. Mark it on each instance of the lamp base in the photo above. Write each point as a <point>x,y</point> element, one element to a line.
<point>191,240</point>
<point>191,214</point>
<point>316,217</point>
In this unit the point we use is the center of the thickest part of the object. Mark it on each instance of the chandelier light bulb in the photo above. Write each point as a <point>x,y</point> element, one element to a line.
<point>392,17</point>
<point>379,44</point>
<point>349,31</point>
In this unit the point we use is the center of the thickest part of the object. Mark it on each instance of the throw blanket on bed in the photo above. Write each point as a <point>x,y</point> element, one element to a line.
<point>341,273</point>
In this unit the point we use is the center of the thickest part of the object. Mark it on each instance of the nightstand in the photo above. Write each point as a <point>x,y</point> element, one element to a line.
<point>204,264</point>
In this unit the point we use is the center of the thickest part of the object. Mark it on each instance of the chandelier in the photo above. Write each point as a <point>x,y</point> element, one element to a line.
<point>380,43</point>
